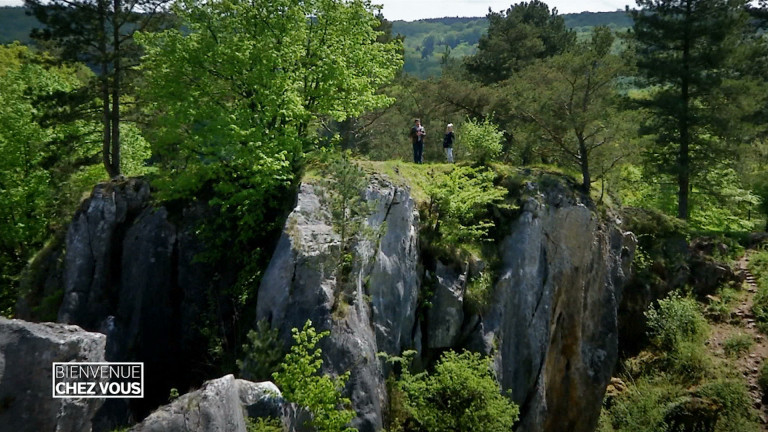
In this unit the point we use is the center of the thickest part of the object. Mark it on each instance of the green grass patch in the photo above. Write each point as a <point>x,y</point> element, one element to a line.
<point>738,344</point>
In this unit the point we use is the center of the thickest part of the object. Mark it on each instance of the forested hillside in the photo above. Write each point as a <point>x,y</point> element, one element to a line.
<point>428,43</point>
<point>482,224</point>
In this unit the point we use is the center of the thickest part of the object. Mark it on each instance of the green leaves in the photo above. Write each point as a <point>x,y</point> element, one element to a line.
<point>481,140</point>
<point>459,203</point>
<point>462,394</point>
<point>299,382</point>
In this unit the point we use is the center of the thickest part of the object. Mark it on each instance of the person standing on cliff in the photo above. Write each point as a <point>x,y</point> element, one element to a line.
<point>417,137</point>
<point>448,143</point>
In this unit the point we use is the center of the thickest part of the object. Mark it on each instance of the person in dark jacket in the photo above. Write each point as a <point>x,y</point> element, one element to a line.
<point>417,137</point>
<point>448,143</point>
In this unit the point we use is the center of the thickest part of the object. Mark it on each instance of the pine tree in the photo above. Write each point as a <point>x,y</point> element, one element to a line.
<point>689,52</point>
<point>99,33</point>
<point>524,32</point>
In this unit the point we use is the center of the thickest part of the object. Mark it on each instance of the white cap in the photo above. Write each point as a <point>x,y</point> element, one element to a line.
<point>450,124</point>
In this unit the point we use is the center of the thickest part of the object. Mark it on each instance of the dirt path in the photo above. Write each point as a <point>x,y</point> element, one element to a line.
<point>743,322</point>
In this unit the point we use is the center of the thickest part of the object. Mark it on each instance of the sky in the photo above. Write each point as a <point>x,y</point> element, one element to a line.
<point>410,10</point>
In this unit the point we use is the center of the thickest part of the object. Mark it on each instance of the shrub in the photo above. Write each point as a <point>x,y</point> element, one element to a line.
<point>299,381</point>
<point>261,424</point>
<point>689,362</point>
<point>482,141</point>
<point>737,413</point>
<point>461,394</point>
<point>262,354</point>
<point>459,202</point>
<point>642,407</point>
<point>675,320</point>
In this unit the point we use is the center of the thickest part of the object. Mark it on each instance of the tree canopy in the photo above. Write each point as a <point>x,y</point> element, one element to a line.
<point>691,53</point>
<point>524,32</point>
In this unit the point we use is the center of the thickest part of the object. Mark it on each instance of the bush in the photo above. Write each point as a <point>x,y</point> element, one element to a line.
<point>300,383</point>
<point>737,413</point>
<point>461,394</point>
<point>674,321</point>
<point>642,407</point>
<point>459,204</point>
<point>688,363</point>
<point>482,141</point>
<point>262,354</point>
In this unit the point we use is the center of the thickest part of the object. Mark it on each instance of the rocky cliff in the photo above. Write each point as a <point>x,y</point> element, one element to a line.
<point>128,269</point>
<point>551,325</point>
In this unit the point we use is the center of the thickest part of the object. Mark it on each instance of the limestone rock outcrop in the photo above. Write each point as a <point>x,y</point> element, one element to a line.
<point>222,405</point>
<point>551,325</point>
<point>379,315</point>
<point>27,353</point>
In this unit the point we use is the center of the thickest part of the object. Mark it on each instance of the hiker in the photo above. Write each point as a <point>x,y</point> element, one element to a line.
<point>417,136</point>
<point>448,143</point>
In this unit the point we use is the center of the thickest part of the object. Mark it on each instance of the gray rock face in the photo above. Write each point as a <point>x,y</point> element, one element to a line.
<point>129,271</point>
<point>27,351</point>
<point>446,316</point>
<point>300,284</point>
<point>220,405</point>
<point>552,326</point>
<point>90,250</point>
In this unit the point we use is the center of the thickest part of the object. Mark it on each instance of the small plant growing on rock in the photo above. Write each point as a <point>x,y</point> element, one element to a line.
<point>300,382</point>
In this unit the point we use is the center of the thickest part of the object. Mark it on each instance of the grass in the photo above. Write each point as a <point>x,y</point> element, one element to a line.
<point>738,344</point>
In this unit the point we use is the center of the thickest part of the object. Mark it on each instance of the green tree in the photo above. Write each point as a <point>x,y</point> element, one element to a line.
<point>239,96</point>
<point>41,181</point>
<point>299,381</point>
<point>689,52</point>
<point>524,32</point>
<point>570,100</point>
<point>100,33</point>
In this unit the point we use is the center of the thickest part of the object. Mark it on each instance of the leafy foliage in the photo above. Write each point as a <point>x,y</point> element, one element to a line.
<point>41,180</point>
<point>300,383</point>
<point>459,201</point>
<point>238,97</point>
<point>570,102</point>
<point>461,394</point>
<point>262,354</point>
<point>674,321</point>
<point>100,33</point>
<point>481,140</point>
<point>692,56</point>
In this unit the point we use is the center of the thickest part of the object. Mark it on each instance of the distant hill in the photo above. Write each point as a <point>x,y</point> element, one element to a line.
<point>427,42</point>
<point>15,25</point>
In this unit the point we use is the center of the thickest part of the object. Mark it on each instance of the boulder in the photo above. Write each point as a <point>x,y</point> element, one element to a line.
<point>220,405</point>
<point>27,353</point>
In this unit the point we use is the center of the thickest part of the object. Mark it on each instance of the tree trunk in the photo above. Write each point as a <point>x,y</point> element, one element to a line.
<point>106,114</point>
<point>683,158</point>
<point>586,179</point>
<point>116,91</point>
